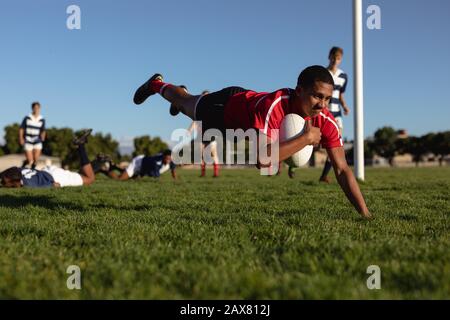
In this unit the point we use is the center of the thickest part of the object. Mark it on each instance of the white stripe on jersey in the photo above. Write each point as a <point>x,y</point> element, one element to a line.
<point>261,99</point>
<point>32,140</point>
<point>34,122</point>
<point>334,123</point>
<point>266,125</point>
<point>338,81</point>
<point>33,127</point>
<point>162,89</point>
<point>33,132</point>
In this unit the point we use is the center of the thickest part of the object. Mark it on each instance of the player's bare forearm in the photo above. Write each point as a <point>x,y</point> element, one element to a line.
<point>287,148</point>
<point>347,181</point>
<point>122,177</point>
<point>43,136</point>
<point>174,175</point>
<point>344,104</point>
<point>351,189</point>
<point>21,137</point>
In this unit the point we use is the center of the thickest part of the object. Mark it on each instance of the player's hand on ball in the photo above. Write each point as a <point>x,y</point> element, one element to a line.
<point>312,134</point>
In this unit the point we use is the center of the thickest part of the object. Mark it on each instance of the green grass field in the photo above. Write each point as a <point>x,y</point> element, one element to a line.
<point>240,236</point>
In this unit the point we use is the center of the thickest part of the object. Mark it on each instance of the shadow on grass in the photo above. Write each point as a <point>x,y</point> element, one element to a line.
<point>52,203</point>
<point>46,202</point>
<point>120,207</point>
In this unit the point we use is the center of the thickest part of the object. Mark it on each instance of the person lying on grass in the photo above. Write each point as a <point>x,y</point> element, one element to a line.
<point>140,166</point>
<point>52,176</point>
<point>239,108</point>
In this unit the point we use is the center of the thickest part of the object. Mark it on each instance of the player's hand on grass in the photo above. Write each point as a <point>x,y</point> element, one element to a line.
<point>312,134</point>
<point>367,216</point>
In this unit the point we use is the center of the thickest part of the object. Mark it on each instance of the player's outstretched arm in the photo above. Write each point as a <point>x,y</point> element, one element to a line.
<point>347,181</point>
<point>122,177</point>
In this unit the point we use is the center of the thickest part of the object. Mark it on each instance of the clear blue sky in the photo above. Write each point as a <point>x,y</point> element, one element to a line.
<point>86,78</point>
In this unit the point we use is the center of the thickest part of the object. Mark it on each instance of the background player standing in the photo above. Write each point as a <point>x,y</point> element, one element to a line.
<point>337,101</point>
<point>32,134</point>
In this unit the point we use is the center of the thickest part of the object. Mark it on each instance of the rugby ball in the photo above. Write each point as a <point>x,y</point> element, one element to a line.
<point>293,126</point>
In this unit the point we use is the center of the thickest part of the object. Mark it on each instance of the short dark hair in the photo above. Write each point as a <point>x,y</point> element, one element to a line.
<point>167,152</point>
<point>334,51</point>
<point>312,74</point>
<point>13,173</point>
<point>35,103</point>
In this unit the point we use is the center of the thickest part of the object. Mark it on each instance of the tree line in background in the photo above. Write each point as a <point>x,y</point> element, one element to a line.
<point>59,144</point>
<point>386,143</point>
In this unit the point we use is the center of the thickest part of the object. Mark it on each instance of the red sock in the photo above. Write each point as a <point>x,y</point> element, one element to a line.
<point>159,86</point>
<point>203,169</point>
<point>216,170</point>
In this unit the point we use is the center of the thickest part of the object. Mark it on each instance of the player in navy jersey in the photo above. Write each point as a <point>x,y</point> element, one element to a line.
<point>146,166</point>
<point>239,108</point>
<point>32,134</point>
<point>337,103</point>
<point>52,176</point>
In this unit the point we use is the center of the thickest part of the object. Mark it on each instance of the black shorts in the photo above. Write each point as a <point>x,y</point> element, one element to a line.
<point>211,108</point>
